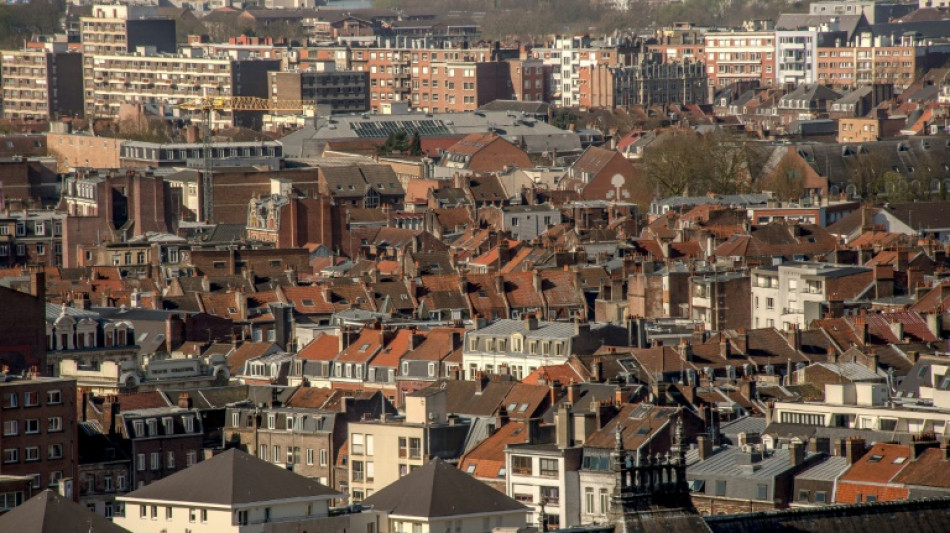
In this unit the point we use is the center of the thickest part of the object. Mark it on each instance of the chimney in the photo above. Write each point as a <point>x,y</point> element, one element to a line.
<point>531,322</point>
<point>831,354</point>
<point>480,382</point>
<point>184,401</point>
<point>747,388</point>
<point>174,332</point>
<point>38,284</point>
<point>873,361</point>
<point>945,449</point>
<point>724,350</point>
<point>573,394</point>
<point>794,335</point>
<point>742,341</point>
<point>685,350</point>
<point>854,449</point>
<point>564,426</point>
<point>502,417</point>
<point>897,328</point>
<point>534,430</point>
<point>536,281</point>
<point>596,370</point>
<point>919,445</point>
<point>796,453</point>
<point>705,447</point>
<point>861,329</point>
<point>110,409</point>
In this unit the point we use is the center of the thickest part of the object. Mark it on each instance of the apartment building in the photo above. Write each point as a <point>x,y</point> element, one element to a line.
<point>563,63</point>
<point>118,28</point>
<point>38,440</point>
<point>795,51</point>
<point>651,82</point>
<point>306,441</point>
<point>527,79</point>
<point>851,66</point>
<point>340,91</point>
<point>520,347</point>
<point>160,81</point>
<point>39,83</point>
<point>31,237</point>
<point>546,478</point>
<point>791,295</point>
<point>740,56</point>
<point>381,451</point>
<point>681,42</point>
<point>457,86</point>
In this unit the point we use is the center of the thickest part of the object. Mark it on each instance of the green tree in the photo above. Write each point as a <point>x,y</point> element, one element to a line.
<point>415,145</point>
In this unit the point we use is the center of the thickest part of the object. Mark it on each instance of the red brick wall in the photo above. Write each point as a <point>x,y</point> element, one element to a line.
<point>848,492</point>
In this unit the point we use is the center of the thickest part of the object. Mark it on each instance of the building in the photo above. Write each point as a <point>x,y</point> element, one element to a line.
<point>796,53</point>
<point>646,83</point>
<point>39,432</point>
<point>720,300</point>
<point>40,83</point>
<point>156,81</point>
<point>48,511</point>
<point>438,496</point>
<point>791,295</point>
<point>729,480</point>
<point>382,451</point>
<point>37,238</point>
<point>339,91</point>
<point>519,347</point>
<point>545,476</point>
<point>230,492</point>
<point>104,471</point>
<point>740,56</point>
<point>23,348</point>
<point>528,222</point>
<point>305,441</point>
<point>479,154</point>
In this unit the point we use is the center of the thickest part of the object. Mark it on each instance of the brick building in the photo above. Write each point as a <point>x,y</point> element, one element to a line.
<point>265,263</point>
<point>290,222</point>
<point>650,82</point>
<point>740,56</point>
<point>478,153</point>
<point>22,326</point>
<point>38,439</point>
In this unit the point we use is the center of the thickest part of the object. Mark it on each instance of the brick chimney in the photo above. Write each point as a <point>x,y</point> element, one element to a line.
<point>794,336</point>
<point>704,446</point>
<point>38,283</point>
<point>854,449</point>
<point>796,453</point>
<point>184,401</point>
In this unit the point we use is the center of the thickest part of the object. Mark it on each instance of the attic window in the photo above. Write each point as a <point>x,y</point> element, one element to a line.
<point>512,406</point>
<point>482,293</point>
<point>339,187</point>
<point>364,347</point>
<point>875,458</point>
<point>403,297</point>
<point>900,460</point>
<point>470,469</point>
<point>522,408</point>
<point>307,303</point>
<point>232,310</point>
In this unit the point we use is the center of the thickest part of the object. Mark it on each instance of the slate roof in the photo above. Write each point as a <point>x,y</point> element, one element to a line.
<point>232,478</point>
<point>48,512</point>
<point>439,490</point>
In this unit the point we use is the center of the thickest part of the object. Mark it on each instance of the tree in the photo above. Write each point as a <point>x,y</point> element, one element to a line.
<point>415,145</point>
<point>786,180</point>
<point>672,164</point>
<point>866,170</point>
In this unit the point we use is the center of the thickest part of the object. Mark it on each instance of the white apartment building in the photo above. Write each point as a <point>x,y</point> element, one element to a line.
<point>545,477</point>
<point>792,294</point>
<point>521,346</point>
<point>796,53</point>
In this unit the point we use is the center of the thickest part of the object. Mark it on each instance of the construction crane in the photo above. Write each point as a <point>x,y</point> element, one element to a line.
<point>210,105</point>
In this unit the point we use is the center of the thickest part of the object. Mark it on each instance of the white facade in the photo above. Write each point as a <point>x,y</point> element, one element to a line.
<point>512,344</point>
<point>143,516</point>
<point>781,294</point>
<point>481,523</point>
<point>545,474</point>
<point>795,56</point>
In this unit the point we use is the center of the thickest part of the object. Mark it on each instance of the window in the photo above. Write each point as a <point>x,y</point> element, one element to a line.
<point>589,500</point>
<point>107,484</point>
<point>55,451</point>
<point>820,496</point>
<point>357,444</point>
<point>415,448</point>
<point>10,427</point>
<point>720,488</point>
<point>168,513</point>
<point>357,467</point>
<point>323,457</point>
<point>369,445</point>
<point>193,515</point>
<point>120,482</point>
<point>32,453</point>
<point>142,511</point>
<point>154,513</point>
<point>242,518</point>
<point>521,465</point>
<point>55,424</point>
<point>156,461</point>
<point>770,303</point>
<point>204,515</point>
<point>550,495</point>
<point>604,501</point>
<point>191,458</point>
<point>403,447</point>
<point>762,491</point>
<point>54,397</point>
<point>140,462</point>
<point>170,460</point>
<point>31,399</point>
<point>189,423</point>
<point>32,426</point>
<point>262,452</point>
<point>310,456</point>
<point>549,467</point>
<point>10,400</point>
<point>276,451</point>
<point>370,471</point>
<point>803,495</point>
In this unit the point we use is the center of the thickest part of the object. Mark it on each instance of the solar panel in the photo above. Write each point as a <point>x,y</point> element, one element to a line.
<point>386,128</point>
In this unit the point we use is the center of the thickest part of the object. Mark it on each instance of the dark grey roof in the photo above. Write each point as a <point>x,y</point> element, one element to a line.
<point>798,21</point>
<point>233,478</point>
<point>517,106</point>
<point>438,490</point>
<point>48,512</point>
<point>919,516</point>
